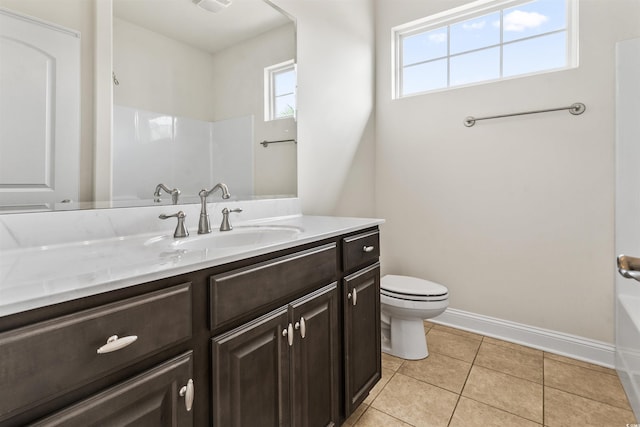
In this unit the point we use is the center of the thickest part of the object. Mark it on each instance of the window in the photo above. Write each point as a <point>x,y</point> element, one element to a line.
<point>280,91</point>
<point>483,41</point>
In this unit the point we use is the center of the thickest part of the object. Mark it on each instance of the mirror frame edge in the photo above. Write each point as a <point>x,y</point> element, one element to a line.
<point>103,101</point>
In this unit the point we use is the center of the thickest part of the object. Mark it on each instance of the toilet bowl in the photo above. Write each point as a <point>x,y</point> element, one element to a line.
<point>404,303</point>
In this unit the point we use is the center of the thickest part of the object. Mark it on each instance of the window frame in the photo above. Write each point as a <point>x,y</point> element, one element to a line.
<point>269,89</point>
<point>466,12</point>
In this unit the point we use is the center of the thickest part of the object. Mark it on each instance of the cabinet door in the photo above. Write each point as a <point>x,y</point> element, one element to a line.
<point>152,399</point>
<point>361,293</point>
<point>315,360</point>
<point>251,374</point>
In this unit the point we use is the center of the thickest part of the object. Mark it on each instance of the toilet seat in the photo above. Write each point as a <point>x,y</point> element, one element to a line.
<point>412,289</point>
<point>414,297</point>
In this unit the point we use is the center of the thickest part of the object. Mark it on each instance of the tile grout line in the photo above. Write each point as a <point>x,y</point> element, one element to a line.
<point>502,410</point>
<point>589,398</point>
<point>491,369</point>
<point>544,416</point>
<point>465,381</point>
<point>380,392</point>
<point>513,376</point>
<point>613,374</point>
<point>579,395</point>
<point>482,340</point>
<point>534,382</point>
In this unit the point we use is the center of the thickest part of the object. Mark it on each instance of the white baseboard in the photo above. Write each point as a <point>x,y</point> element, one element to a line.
<point>587,350</point>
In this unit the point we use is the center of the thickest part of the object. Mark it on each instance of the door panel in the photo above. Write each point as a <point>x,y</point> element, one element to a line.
<point>39,113</point>
<point>363,360</point>
<point>250,368</point>
<point>628,216</point>
<point>151,399</point>
<point>315,359</point>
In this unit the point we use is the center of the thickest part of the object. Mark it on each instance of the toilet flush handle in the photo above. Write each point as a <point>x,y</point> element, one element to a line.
<point>353,296</point>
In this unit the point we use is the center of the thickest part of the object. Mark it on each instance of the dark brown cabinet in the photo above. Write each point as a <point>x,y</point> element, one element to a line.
<point>250,370</point>
<point>281,369</point>
<point>289,338</point>
<point>70,351</point>
<point>315,362</point>
<point>152,399</point>
<point>363,369</point>
<point>242,293</point>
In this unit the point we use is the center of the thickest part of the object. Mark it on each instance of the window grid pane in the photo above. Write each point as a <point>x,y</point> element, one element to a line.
<point>424,46</point>
<point>527,38</point>
<point>534,18</point>
<point>284,82</point>
<point>475,66</point>
<point>424,77</point>
<point>280,85</point>
<point>546,52</point>
<point>479,32</point>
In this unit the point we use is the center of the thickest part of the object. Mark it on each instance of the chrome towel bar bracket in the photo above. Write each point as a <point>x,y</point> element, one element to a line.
<point>575,109</point>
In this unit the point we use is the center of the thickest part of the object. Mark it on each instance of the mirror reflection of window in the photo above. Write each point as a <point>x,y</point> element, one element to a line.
<point>280,91</point>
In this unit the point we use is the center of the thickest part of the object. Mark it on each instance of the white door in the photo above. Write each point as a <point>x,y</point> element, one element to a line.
<point>39,113</point>
<point>628,219</point>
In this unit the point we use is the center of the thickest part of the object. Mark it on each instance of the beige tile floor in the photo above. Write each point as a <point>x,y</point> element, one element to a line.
<point>471,380</point>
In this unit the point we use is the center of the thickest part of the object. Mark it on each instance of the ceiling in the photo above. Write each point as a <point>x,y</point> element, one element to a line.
<point>184,21</point>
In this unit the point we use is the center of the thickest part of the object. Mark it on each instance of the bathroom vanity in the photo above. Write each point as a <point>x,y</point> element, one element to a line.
<point>279,333</point>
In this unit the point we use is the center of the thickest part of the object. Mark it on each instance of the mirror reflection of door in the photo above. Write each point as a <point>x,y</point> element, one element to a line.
<point>39,113</point>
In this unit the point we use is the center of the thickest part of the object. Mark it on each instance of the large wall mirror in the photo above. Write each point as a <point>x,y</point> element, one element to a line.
<point>196,90</point>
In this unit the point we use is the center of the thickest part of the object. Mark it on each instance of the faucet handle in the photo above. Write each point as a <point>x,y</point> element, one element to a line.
<point>226,210</point>
<point>225,225</point>
<point>181,230</point>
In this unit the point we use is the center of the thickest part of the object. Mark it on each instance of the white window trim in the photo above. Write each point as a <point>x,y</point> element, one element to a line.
<point>463,13</point>
<point>269,96</point>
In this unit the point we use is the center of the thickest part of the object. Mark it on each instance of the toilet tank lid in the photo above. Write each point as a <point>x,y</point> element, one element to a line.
<point>411,286</point>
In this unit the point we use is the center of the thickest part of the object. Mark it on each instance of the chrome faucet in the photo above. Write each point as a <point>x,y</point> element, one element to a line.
<point>225,226</point>
<point>203,225</point>
<point>174,193</point>
<point>181,230</point>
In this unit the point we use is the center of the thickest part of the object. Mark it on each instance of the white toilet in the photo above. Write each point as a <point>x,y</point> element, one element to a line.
<point>405,303</point>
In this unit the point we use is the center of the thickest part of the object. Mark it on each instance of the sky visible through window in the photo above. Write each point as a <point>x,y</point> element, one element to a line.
<point>284,93</point>
<point>517,40</point>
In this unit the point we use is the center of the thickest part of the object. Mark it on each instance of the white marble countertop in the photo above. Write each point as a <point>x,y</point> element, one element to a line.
<point>37,276</point>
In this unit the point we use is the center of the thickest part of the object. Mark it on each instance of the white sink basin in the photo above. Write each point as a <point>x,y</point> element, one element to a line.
<point>240,236</point>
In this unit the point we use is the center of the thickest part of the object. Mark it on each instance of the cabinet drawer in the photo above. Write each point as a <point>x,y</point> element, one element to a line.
<point>360,250</point>
<point>47,359</point>
<point>256,289</point>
